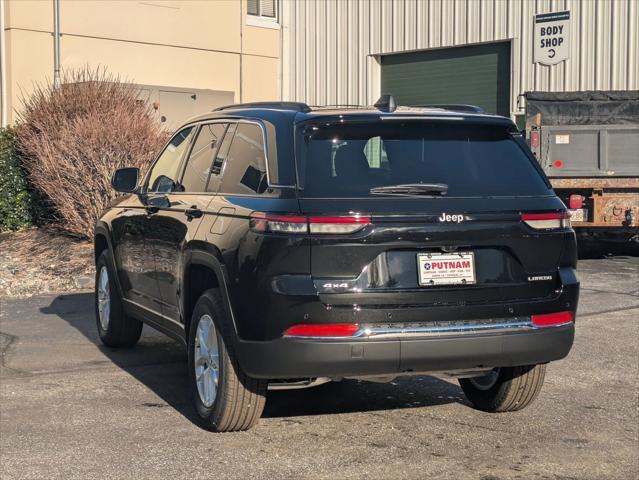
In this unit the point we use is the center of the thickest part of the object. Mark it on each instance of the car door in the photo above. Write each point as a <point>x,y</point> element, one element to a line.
<point>160,181</point>
<point>176,222</point>
<point>134,260</point>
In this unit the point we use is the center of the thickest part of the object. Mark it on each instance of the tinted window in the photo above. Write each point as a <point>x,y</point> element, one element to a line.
<point>348,160</point>
<point>198,166</point>
<point>244,170</point>
<point>220,157</point>
<point>163,176</point>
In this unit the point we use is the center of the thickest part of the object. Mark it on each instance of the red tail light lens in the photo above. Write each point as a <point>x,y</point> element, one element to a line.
<point>552,319</point>
<point>278,223</point>
<point>542,221</point>
<point>534,137</point>
<point>575,201</point>
<point>323,330</point>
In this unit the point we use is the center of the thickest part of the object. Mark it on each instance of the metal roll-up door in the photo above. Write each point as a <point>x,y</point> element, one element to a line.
<point>476,75</point>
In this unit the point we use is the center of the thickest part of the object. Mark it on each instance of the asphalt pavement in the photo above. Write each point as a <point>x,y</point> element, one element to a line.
<point>71,408</point>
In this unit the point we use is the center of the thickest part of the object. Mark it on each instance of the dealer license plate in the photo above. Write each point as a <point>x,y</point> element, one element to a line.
<point>578,215</point>
<point>446,268</point>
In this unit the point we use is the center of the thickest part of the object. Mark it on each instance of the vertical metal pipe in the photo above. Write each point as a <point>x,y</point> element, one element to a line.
<point>241,50</point>
<point>280,17</point>
<point>3,69</point>
<point>56,43</point>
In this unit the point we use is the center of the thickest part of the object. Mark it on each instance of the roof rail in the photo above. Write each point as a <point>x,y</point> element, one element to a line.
<point>452,106</point>
<point>295,106</point>
<point>337,105</point>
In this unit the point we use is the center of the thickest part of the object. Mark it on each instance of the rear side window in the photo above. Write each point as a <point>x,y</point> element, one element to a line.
<point>198,166</point>
<point>347,160</point>
<point>244,169</point>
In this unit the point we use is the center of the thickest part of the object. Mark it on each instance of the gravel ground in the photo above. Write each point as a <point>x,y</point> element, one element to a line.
<point>38,261</point>
<point>70,408</point>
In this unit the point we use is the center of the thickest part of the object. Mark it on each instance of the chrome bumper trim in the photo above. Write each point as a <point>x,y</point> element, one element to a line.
<point>378,332</point>
<point>413,331</point>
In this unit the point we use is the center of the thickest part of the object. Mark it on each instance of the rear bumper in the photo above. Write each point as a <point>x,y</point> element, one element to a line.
<point>299,358</point>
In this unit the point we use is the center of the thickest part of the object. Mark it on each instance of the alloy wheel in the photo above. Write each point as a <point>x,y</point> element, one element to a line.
<point>104,298</point>
<point>485,382</point>
<point>206,360</point>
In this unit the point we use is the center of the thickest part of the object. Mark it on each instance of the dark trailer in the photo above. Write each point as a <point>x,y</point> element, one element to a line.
<point>588,145</point>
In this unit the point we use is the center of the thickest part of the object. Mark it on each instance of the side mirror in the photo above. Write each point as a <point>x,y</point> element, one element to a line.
<point>125,179</point>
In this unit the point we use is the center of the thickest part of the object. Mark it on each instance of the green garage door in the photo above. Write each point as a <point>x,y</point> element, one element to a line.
<point>476,75</point>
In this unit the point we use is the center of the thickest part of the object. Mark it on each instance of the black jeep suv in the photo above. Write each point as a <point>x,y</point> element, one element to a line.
<point>287,246</point>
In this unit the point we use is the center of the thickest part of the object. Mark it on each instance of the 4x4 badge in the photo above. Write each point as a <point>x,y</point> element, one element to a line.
<point>451,218</point>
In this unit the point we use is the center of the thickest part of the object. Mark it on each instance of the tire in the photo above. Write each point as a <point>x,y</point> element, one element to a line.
<point>506,389</point>
<point>238,400</point>
<point>115,328</point>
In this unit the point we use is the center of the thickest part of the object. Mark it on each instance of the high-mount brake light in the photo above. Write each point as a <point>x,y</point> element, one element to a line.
<point>323,330</point>
<point>542,221</point>
<point>552,319</point>
<point>282,223</point>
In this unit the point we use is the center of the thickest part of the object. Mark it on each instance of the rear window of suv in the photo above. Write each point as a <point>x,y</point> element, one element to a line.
<point>347,160</point>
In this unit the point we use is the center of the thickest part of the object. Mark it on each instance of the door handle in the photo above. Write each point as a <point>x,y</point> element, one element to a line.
<point>193,212</point>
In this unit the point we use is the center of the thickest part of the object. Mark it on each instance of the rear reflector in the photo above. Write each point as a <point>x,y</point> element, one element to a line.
<point>278,223</point>
<point>323,330</point>
<point>552,319</point>
<point>541,221</point>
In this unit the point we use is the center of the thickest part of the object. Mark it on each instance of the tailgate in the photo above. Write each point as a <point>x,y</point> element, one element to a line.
<point>589,150</point>
<point>379,265</point>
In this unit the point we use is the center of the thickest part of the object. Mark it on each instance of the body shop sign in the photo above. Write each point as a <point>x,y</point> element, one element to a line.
<point>552,37</point>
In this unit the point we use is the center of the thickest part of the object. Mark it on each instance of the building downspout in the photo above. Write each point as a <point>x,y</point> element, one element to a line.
<point>280,16</point>
<point>56,44</point>
<point>3,69</point>
<point>241,48</point>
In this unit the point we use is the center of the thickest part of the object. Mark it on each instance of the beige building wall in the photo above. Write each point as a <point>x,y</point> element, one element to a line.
<point>205,45</point>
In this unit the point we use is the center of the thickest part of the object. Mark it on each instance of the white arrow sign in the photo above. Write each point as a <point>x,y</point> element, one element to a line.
<point>552,37</point>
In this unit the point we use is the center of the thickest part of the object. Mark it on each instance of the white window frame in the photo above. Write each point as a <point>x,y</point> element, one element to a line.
<point>262,21</point>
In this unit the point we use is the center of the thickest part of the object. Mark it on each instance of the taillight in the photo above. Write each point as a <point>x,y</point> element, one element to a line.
<point>323,330</point>
<point>552,319</point>
<point>266,222</point>
<point>575,201</point>
<point>534,137</point>
<point>337,224</point>
<point>540,221</point>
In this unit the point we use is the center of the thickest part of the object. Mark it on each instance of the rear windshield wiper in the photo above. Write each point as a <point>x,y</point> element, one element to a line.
<point>411,189</point>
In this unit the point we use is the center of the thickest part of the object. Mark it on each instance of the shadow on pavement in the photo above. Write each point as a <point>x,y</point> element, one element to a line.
<point>350,396</point>
<point>595,249</point>
<point>159,363</point>
<point>156,361</point>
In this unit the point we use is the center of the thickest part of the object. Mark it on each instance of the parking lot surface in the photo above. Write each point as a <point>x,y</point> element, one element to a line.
<point>70,408</point>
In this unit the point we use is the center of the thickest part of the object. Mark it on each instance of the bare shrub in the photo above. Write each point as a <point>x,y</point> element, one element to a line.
<point>73,138</point>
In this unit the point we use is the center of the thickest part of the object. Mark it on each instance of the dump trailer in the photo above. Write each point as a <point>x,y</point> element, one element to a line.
<point>588,145</point>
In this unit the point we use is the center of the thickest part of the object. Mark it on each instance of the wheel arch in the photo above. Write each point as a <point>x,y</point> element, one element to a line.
<point>102,241</point>
<point>204,269</point>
